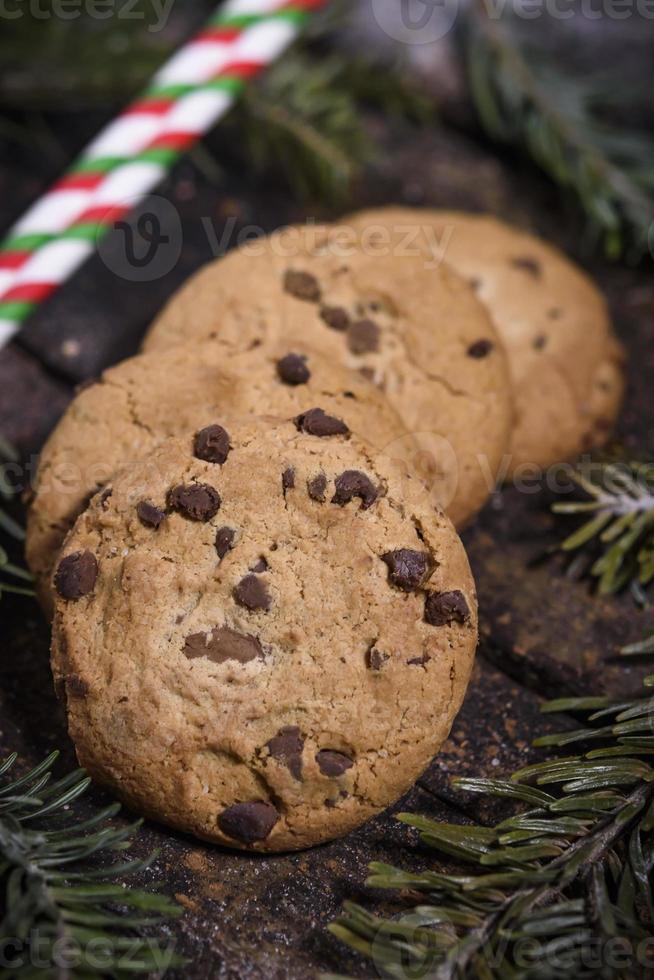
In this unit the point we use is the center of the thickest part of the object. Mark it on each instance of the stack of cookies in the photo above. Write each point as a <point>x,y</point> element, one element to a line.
<point>264,621</point>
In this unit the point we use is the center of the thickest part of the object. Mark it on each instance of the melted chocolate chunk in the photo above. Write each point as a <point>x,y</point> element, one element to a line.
<point>540,342</point>
<point>335,317</point>
<point>316,423</point>
<point>248,822</point>
<point>302,285</point>
<point>351,484</point>
<point>332,763</point>
<point>260,566</point>
<point>480,348</point>
<point>212,444</point>
<point>288,479</point>
<point>252,593</point>
<point>286,747</point>
<point>406,568</point>
<point>443,608</point>
<point>419,661</point>
<point>375,659</point>
<point>363,337</point>
<point>316,488</point>
<point>197,501</point>
<point>150,515</point>
<point>223,644</point>
<point>224,540</point>
<point>293,369</point>
<point>528,264</point>
<point>76,686</point>
<point>76,575</point>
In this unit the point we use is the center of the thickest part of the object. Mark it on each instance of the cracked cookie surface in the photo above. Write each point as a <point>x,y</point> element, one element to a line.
<point>262,667</point>
<point>149,398</point>
<point>566,363</point>
<point>418,332</point>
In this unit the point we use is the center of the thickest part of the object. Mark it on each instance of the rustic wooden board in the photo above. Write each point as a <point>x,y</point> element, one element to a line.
<point>255,917</point>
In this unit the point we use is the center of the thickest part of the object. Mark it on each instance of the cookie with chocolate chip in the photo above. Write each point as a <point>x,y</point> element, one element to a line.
<point>566,363</point>
<point>274,661</point>
<point>147,399</point>
<point>416,331</point>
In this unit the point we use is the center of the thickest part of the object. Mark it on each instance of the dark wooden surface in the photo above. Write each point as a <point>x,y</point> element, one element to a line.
<point>250,917</point>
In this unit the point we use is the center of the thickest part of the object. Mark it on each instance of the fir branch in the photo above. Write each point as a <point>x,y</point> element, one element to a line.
<point>615,543</point>
<point>74,918</point>
<point>556,888</point>
<point>557,119</point>
<point>303,120</point>
<point>13,578</point>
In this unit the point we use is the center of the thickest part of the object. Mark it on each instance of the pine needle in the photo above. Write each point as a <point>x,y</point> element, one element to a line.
<point>547,889</point>
<point>616,534</point>
<point>557,118</point>
<point>73,918</point>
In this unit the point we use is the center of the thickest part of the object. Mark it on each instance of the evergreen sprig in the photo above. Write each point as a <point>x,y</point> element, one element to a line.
<point>62,915</point>
<point>615,543</point>
<point>13,578</point>
<point>561,889</point>
<point>560,120</point>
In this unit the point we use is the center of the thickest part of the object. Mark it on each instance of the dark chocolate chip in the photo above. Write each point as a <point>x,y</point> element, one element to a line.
<point>480,348</point>
<point>76,575</point>
<point>252,593</point>
<point>474,283</point>
<point>443,608</point>
<point>335,317</point>
<point>351,484</point>
<point>76,686</point>
<point>248,822</point>
<point>333,763</point>
<point>223,644</point>
<point>224,540</point>
<point>150,515</point>
<point>197,501</point>
<point>528,264</point>
<point>316,488</point>
<point>288,479</point>
<point>316,423</point>
<point>540,342</point>
<point>302,285</point>
<point>293,369</point>
<point>406,568</point>
<point>261,566</point>
<point>212,444</point>
<point>419,661</point>
<point>555,313</point>
<point>363,337</point>
<point>286,747</point>
<point>375,659</point>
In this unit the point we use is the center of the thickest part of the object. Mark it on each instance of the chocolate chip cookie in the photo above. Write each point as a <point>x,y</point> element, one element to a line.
<point>419,333</point>
<point>565,360</point>
<point>252,660</point>
<point>143,401</point>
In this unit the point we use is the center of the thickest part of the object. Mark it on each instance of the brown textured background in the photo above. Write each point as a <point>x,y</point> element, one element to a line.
<point>251,917</point>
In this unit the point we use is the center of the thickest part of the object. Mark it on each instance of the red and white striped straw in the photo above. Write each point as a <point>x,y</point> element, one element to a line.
<point>187,96</point>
